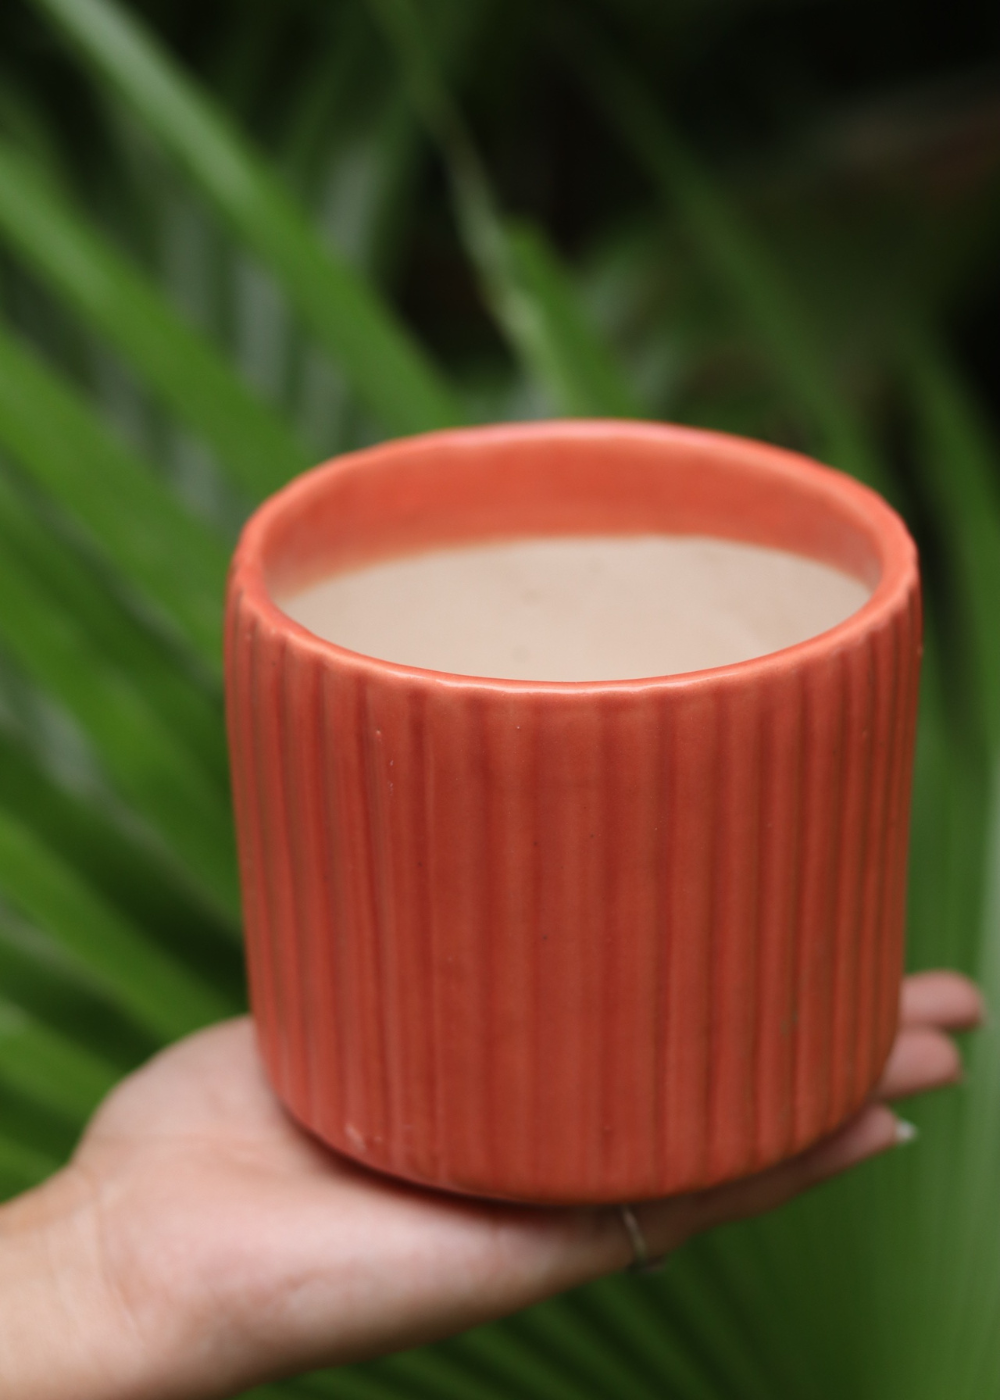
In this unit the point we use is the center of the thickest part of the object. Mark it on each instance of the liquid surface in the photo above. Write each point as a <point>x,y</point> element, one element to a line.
<point>579,608</point>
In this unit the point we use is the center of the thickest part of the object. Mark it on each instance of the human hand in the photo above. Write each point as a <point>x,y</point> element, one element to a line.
<point>199,1242</point>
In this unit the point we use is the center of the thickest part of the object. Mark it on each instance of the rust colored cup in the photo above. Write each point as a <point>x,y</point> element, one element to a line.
<point>565,941</point>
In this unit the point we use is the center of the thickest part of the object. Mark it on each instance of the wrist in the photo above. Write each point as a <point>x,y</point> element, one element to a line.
<point>63,1333</point>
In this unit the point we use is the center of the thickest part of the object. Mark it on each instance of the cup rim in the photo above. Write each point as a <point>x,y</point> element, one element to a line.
<point>895,549</point>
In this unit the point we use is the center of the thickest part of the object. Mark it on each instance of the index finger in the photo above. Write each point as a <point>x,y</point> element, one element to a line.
<point>943,999</point>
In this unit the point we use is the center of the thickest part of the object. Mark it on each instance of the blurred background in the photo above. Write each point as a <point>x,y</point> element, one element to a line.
<point>236,238</point>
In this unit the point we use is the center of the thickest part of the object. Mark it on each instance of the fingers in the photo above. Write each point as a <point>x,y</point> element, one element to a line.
<point>943,999</point>
<point>921,1059</point>
<point>873,1131</point>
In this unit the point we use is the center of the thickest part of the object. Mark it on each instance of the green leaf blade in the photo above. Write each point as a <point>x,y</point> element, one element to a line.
<point>133,518</point>
<point>59,1073</point>
<point>82,268</point>
<point>386,365</point>
<point>141,755</point>
<point>531,296</point>
<point>733,253</point>
<point>160,994</point>
<point>588,381</point>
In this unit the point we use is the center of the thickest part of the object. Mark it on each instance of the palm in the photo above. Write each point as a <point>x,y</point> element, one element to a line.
<point>240,1249</point>
<point>217,1204</point>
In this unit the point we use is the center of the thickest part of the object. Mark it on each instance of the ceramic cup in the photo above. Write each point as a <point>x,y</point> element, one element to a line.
<point>567,941</point>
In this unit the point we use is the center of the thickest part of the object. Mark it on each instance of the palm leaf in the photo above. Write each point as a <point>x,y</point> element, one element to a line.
<point>742,262</point>
<point>148,984</point>
<point>49,1068</point>
<point>82,268</point>
<point>959,473</point>
<point>53,435</point>
<point>182,696</point>
<point>388,369</point>
<point>142,756</point>
<point>522,279</point>
<point>22,1167</point>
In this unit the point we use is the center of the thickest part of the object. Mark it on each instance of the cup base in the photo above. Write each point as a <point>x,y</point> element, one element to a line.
<point>551,1188</point>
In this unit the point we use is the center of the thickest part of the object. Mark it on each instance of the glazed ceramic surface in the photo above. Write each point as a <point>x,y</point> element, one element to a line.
<point>572,941</point>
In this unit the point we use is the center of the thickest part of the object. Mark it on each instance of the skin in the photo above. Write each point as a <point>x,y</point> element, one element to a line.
<point>199,1242</point>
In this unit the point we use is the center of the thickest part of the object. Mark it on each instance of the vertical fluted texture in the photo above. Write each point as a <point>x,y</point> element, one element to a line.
<point>573,943</point>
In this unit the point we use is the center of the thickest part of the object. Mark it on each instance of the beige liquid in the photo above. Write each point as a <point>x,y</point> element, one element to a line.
<point>579,608</point>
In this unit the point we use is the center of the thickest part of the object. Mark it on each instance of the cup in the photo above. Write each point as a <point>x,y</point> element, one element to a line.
<point>572,941</point>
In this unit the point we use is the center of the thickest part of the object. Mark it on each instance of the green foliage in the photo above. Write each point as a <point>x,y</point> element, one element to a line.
<point>194,381</point>
<point>232,244</point>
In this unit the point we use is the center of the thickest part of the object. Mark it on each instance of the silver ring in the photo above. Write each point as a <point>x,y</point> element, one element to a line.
<point>640,1250</point>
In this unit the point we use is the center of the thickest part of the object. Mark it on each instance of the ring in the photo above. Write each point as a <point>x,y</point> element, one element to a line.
<point>640,1250</point>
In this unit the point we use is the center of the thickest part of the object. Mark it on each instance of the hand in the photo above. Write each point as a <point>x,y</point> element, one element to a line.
<point>199,1242</point>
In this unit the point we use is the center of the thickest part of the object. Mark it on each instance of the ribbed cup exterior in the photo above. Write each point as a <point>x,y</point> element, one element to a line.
<point>572,942</point>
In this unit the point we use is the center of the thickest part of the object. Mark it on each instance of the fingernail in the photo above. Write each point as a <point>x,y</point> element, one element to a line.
<point>905,1131</point>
